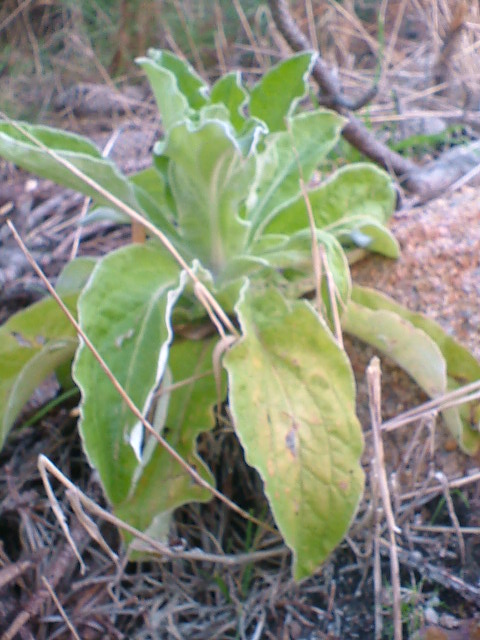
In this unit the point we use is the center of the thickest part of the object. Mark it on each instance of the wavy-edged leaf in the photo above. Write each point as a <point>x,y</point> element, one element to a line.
<point>310,137</point>
<point>177,88</point>
<point>163,484</point>
<point>125,310</point>
<point>214,112</point>
<point>251,136</point>
<point>19,149</point>
<point>33,343</point>
<point>292,396</point>
<point>462,367</point>
<point>356,190</point>
<point>366,233</point>
<point>209,178</point>
<point>276,95</point>
<point>189,82</point>
<point>228,90</point>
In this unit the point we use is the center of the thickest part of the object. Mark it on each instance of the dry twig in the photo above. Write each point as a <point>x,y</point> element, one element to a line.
<point>426,181</point>
<point>373,379</point>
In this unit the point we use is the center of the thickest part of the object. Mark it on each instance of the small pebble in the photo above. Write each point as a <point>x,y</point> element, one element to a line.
<point>431,616</point>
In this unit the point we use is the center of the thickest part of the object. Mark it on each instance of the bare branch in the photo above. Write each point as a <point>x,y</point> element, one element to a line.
<point>325,79</point>
<point>355,131</point>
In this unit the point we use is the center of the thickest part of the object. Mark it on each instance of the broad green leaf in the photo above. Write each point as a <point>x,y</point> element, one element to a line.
<point>152,181</point>
<point>461,364</point>
<point>163,484</point>
<point>125,311</point>
<point>178,90</point>
<point>19,149</point>
<point>276,95</point>
<point>292,396</point>
<point>394,336</point>
<point>462,367</point>
<point>356,190</point>
<point>189,82</point>
<point>209,179</point>
<point>228,90</point>
<point>162,164</point>
<point>33,343</point>
<point>171,102</point>
<point>310,137</point>
<point>74,275</point>
<point>152,194</point>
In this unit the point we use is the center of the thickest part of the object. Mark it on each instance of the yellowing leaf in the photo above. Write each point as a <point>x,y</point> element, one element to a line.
<point>434,359</point>
<point>292,396</point>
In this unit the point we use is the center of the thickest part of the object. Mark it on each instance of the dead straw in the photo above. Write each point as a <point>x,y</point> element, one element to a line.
<point>374,394</point>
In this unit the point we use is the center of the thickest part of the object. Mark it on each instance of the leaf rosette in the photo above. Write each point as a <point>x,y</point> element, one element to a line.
<point>225,190</point>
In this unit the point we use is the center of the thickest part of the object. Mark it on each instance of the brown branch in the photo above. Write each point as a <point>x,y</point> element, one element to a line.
<point>355,131</point>
<point>325,79</point>
<point>450,40</point>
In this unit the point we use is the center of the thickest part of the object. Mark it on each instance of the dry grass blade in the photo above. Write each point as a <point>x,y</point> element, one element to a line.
<point>90,526</point>
<point>86,203</point>
<point>319,259</point>
<point>333,296</point>
<point>373,379</point>
<point>394,35</point>
<point>453,484</point>
<point>249,32</point>
<point>377,565</point>
<point>16,626</point>
<point>221,44</point>
<point>442,479</point>
<point>150,544</point>
<point>312,32</point>
<point>13,571</point>
<point>179,8</point>
<point>61,519</point>
<point>21,7</point>
<point>351,18</point>
<point>467,393</point>
<point>61,610</point>
<point>436,574</point>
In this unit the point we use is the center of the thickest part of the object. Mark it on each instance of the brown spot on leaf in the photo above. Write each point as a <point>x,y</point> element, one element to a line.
<point>23,342</point>
<point>291,441</point>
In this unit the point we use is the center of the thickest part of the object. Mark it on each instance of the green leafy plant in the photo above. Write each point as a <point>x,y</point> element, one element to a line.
<point>232,235</point>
